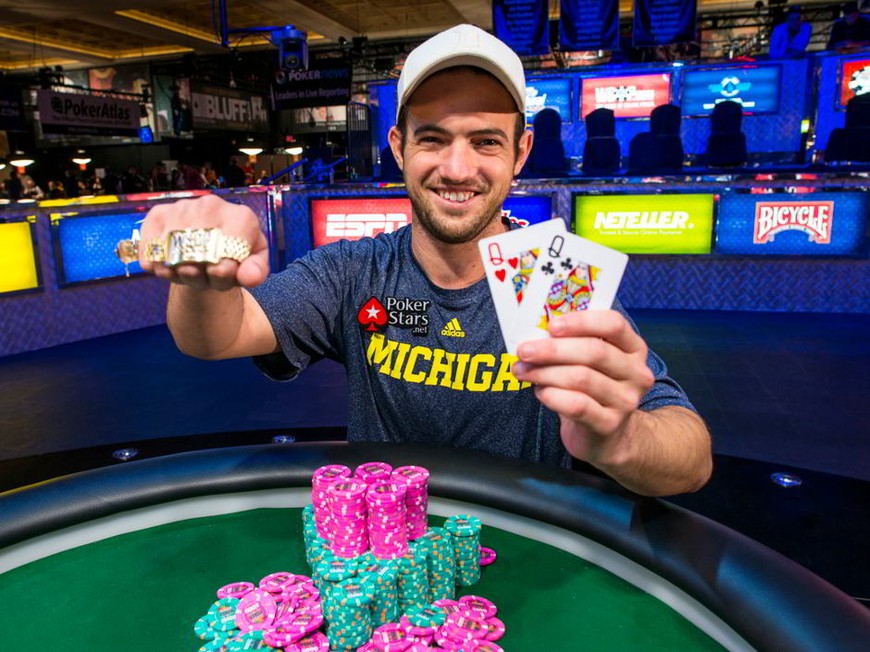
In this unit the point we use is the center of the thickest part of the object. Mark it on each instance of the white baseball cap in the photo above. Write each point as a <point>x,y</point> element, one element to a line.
<point>463,45</point>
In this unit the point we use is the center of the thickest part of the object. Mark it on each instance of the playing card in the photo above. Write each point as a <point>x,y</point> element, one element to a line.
<point>509,260</point>
<point>572,274</point>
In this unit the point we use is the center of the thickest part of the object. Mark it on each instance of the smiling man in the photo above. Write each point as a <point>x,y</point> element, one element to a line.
<point>409,313</point>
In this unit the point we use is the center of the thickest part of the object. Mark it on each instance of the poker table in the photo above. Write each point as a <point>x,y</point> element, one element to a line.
<point>128,557</point>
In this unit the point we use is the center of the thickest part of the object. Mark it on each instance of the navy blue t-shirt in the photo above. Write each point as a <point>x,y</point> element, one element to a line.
<point>424,364</point>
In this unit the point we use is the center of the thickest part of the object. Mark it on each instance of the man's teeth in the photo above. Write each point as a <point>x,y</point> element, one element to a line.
<point>456,196</point>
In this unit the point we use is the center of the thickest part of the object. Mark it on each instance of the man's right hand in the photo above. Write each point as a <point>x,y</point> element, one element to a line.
<point>207,212</point>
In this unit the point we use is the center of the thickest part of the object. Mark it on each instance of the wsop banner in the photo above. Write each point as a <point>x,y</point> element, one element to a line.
<point>326,82</point>
<point>662,22</point>
<point>523,25</point>
<point>227,109</point>
<point>589,25</point>
<point>79,113</point>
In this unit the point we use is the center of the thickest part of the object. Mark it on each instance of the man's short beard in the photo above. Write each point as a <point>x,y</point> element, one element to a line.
<point>471,229</point>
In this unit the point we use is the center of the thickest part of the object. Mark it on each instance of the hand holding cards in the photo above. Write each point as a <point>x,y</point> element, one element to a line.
<point>542,271</point>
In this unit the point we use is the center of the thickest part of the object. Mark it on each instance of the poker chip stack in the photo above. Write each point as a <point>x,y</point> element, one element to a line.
<point>373,472</point>
<point>320,481</point>
<point>387,520</point>
<point>282,612</point>
<point>412,580</point>
<point>416,481</point>
<point>385,603</point>
<point>465,532</point>
<point>441,563</point>
<point>331,571</point>
<point>348,612</point>
<point>347,510</point>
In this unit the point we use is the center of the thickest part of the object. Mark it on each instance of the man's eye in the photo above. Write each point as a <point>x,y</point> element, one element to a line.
<point>489,142</point>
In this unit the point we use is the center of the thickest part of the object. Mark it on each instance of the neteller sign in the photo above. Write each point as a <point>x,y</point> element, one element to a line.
<point>647,224</point>
<point>351,219</point>
<point>78,113</point>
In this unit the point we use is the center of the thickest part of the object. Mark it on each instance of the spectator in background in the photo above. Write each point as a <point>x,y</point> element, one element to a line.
<point>159,179</point>
<point>790,38</point>
<point>55,190</point>
<point>191,177</point>
<point>13,186</point>
<point>851,32</point>
<point>133,182</point>
<point>29,189</point>
<point>70,183</point>
<point>234,177</point>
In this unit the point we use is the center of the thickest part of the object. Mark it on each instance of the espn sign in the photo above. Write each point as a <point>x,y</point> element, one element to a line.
<point>814,218</point>
<point>361,217</point>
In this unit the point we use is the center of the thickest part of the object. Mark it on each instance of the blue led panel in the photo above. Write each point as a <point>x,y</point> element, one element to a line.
<point>549,94</point>
<point>818,224</point>
<point>86,245</point>
<point>756,88</point>
<point>528,209</point>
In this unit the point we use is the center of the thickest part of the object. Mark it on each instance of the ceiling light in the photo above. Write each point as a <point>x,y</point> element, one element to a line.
<point>20,160</point>
<point>251,151</point>
<point>293,151</point>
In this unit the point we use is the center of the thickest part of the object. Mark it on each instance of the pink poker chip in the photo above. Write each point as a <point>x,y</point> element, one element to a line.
<point>463,626</point>
<point>316,642</point>
<point>478,606</point>
<point>449,606</point>
<point>496,629</point>
<point>278,583</point>
<point>487,556</point>
<point>484,646</point>
<point>256,610</point>
<point>235,590</point>
<point>391,637</point>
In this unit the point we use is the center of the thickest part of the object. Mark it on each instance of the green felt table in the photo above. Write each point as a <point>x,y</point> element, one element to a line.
<point>127,558</point>
<point>142,591</point>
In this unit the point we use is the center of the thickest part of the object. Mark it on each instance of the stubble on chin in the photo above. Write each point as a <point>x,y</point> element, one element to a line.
<point>452,231</point>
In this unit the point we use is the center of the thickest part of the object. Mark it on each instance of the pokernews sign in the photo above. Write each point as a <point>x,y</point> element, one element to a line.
<point>647,224</point>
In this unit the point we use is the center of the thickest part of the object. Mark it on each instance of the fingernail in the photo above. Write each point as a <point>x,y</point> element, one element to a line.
<point>527,349</point>
<point>519,369</point>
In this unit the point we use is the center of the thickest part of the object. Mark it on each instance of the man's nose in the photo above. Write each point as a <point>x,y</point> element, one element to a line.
<point>459,161</point>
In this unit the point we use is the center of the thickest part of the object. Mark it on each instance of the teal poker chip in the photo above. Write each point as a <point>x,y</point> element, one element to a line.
<point>204,628</point>
<point>224,613</point>
<point>217,644</point>
<point>248,641</point>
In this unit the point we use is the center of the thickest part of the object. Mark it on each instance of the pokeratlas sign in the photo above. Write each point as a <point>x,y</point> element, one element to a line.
<point>79,113</point>
<point>358,217</point>
<point>646,224</point>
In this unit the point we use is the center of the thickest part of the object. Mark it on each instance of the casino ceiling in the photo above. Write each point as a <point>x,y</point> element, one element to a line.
<point>80,33</point>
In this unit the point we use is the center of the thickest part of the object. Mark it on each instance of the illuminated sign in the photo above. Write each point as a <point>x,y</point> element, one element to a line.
<point>821,223</point>
<point>812,217</point>
<point>549,94</point>
<point>854,80</point>
<point>360,217</point>
<point>17,259</point>
<point>527,209</point>
<point>351,219</point>
<point>629,96</point>
<point>86,245</point>
<point>755,88</point>
<point>646,224</point>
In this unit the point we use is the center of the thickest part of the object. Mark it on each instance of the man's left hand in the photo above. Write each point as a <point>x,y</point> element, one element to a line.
<point>592,371</point>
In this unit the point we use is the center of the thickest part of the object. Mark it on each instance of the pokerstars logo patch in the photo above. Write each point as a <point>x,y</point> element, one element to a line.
<point>402,312</point>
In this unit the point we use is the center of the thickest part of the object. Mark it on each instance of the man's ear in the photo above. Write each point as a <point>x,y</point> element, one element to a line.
<point>395,139</point>
<point>524,149</point>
